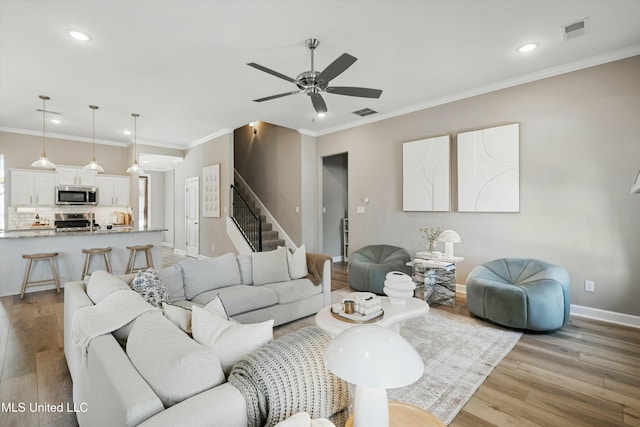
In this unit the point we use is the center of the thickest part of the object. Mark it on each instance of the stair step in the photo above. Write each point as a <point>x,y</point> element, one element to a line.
<point>269,235</point>
<point>271,245</point>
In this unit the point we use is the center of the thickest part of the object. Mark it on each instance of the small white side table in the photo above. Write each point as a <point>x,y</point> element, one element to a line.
<point>393,315</point>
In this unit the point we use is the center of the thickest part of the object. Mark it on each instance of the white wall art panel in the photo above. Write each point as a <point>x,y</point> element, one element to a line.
<point>426,177</point>
<point>489,170</point>
<point>211,191</point>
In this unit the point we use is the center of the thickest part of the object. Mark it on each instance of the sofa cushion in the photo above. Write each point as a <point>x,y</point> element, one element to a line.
<point>149,285</point>
<point>208,274</point>
<point>179,316</point>
<point>297,261</point>
<point>240,299</point>
<point>229,340</point>
<point>294,290</point>
<point>101,284</point>
<point>270,267</point>
<point>244,263</point>
<point>172,277</point>
<point>175,366</point>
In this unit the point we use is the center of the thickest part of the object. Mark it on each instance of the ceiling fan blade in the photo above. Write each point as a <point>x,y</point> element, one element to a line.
<point>280,95</point>
<point>270,71</point>
<point>337,67</point>
<point>318,103</point>
<point>363,92</point>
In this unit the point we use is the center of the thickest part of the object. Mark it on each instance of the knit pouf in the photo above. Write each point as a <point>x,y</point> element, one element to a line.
<point>520,293</point>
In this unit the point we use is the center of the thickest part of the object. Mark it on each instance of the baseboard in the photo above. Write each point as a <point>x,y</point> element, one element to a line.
<point>338,258</point>
<point>167,245</point>
<point>605,316</point>
<point>179,252</point>
<point>591,313</point>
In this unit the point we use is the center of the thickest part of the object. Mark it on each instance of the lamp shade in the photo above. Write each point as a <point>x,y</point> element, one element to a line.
<point>449,236</point>
<point>373,356</point>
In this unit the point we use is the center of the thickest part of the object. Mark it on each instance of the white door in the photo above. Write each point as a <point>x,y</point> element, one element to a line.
<point>192,209</point>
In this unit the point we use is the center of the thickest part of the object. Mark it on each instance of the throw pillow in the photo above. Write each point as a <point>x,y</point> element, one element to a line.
<point>270,267</point>
<point>172,277</point>
<point>149,285</point>
<point>244,263</point>
<point>101,284</point>
<point>297,262</point>
<point>179,316</point>
<point>216,306</point>
<point>208,274</point>
<point>229,340</point>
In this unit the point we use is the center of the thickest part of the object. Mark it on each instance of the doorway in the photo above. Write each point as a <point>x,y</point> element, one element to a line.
<point>335,221</point>
<point>192,209</point>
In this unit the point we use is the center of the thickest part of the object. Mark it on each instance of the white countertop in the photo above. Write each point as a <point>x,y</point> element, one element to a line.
<point>48,232</point>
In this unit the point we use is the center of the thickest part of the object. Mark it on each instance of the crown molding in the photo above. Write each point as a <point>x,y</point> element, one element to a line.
<point>208,138</point>
<point>504,84</point>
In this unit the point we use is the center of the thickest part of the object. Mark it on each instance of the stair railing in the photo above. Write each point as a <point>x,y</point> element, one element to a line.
<point>247,221</point>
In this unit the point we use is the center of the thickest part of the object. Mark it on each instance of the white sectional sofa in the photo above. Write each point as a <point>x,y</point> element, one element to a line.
<point>115,384</point>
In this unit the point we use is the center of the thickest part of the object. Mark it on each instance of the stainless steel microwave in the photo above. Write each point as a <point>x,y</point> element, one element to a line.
<point>76,195</point>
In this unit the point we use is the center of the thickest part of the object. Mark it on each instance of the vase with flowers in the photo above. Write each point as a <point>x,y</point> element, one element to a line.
<point>431,234</point>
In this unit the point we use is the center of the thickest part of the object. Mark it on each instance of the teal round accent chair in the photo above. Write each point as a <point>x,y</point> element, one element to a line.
<point>369,266</point>
<point>520,293</point>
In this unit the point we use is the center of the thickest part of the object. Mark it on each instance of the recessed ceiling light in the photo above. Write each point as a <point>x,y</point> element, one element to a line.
<point>79,35</point>
<point>126,132</point>
<point>321,115</point>
<point>527,47</point>
<point>56,121</point>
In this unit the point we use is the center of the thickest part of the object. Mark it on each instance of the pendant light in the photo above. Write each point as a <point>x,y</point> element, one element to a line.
<point>93,165</point>
<point>134,168</point>
<point>43,162</point>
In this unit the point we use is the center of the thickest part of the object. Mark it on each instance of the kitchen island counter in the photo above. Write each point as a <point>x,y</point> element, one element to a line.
<point>70,259</point>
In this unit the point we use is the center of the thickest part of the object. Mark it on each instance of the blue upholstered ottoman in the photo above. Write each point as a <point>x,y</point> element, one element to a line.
<point>520,293</point>
<point>368,267</point>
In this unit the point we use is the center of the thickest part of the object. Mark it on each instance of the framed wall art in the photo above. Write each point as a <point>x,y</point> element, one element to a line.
<point>211,191</point>
<point>426,174</point>
<point>489,169</point>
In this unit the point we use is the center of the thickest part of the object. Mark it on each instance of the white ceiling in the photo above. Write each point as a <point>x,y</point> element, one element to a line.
<point>182,64</point>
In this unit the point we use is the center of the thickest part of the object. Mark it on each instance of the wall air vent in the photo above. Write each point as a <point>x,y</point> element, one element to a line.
<point>365,112</point>
<point>577,29</point>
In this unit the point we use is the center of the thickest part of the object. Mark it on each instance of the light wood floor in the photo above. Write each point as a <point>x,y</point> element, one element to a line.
<point>586,374</point>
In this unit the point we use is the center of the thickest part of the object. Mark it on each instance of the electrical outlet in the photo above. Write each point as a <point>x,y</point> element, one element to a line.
<point>589,286</point>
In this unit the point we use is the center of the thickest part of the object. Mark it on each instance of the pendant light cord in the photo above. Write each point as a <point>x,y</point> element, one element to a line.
<point>44,100</point>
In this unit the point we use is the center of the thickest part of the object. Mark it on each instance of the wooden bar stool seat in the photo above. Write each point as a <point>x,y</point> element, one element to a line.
<point>133,251</point>
<point>95,251</point>
<point>40,257</point>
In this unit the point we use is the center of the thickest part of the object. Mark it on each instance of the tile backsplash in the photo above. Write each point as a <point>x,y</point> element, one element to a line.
<point>24,217</point>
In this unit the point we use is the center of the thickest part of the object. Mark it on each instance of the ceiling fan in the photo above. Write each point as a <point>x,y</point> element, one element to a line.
<point>313,82</point>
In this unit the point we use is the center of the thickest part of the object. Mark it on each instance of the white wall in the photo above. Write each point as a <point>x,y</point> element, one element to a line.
<point>579,155</point>
<point>169,208</point>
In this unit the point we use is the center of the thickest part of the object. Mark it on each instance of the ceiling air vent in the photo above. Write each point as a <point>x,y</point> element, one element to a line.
<point>574,30</point>
<point>365,112</point>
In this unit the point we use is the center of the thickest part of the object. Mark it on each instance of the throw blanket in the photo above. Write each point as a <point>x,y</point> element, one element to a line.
<point>315,264</point>
<point>113,312</point>
<point>288,376</point>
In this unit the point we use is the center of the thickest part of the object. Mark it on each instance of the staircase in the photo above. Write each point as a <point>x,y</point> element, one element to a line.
<point>252,223</point>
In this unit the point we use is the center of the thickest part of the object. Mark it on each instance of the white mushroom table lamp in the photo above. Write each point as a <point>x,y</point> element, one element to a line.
<point>449,237</point>
<point>373,358</point>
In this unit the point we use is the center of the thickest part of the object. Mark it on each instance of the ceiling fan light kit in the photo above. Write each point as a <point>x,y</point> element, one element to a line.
<point>314,82</point>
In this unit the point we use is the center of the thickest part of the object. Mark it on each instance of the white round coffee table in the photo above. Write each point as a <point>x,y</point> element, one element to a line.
<point>393,315</point>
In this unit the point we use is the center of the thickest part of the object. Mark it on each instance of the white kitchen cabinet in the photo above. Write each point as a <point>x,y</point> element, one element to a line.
<point>113,190</point>
<point>75,176</point>
<point>30,188</point>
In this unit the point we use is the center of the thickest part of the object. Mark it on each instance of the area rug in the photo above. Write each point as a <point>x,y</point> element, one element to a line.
<point>458,352</point>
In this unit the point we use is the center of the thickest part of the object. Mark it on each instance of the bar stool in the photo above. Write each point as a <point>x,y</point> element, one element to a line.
<point>133,250</point>
<point>40,257</point>
<point>95,251</point>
